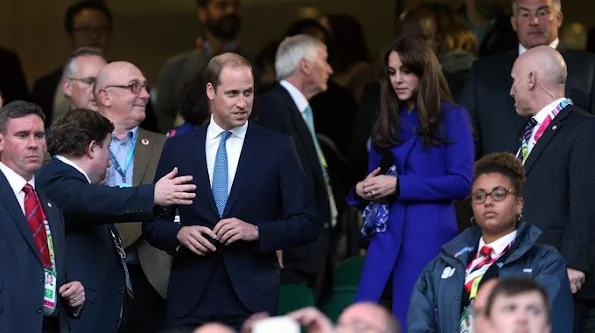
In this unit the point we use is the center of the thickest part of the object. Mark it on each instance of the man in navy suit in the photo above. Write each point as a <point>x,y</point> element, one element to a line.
<point>34,293</point>
<point>252,200</point>
<point>79,143</point>
<point>285,108</point>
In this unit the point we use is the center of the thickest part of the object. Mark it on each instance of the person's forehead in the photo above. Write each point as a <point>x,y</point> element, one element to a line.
<point>126,74</point>
<point>27,122</point>
<point>90,63</point>
<point>236,76</point>
<point>526,298</point>
<point>89,15</point>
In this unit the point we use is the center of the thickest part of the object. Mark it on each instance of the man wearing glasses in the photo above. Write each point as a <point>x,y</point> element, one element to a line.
<point>80,72</point>
<point>122,94</point>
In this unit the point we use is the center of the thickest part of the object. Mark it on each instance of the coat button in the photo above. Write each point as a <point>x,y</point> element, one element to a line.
<point>40,279</point>
<point>121,291</point>
<point>39,310</point>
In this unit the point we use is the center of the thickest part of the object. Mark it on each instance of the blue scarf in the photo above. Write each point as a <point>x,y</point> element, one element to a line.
<point>375,215</point>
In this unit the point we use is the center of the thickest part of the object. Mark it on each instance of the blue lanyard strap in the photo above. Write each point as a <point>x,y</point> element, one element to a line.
<point>128,161</point>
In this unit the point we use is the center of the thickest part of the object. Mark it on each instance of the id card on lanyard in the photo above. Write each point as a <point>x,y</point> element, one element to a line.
<point>50,286</point>
<point>127,162</point>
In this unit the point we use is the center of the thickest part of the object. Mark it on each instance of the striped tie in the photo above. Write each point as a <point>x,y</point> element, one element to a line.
<point>523,152</point>
<point>35,217</point>
<point>474,270</point>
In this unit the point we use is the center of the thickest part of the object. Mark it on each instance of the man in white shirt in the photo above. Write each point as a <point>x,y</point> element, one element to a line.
<point>32,242</point>
<point>485,95</point>
<point>556,149</point>
<point>303,72</point>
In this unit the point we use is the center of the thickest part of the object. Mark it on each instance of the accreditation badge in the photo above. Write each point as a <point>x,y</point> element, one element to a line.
<point>49,292</point>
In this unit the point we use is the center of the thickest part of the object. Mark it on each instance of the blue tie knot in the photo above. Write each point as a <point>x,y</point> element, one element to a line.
<point>225,135</point>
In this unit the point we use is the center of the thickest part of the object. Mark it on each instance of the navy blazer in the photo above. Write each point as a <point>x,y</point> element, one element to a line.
<point>92,257</point>
<point>269,190</point>
<point>21,272</point>
<point>277,111</point>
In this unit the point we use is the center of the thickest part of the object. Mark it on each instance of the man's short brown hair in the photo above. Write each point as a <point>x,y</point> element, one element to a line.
<point>72,132</point>
<point>218,63</point>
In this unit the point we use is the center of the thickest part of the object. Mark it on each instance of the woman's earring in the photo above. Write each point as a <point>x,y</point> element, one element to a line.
<point>519,217</point>
<point>472,221</point>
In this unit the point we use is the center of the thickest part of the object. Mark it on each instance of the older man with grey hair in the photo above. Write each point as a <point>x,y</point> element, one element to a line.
<point>79,76</point>
<point>303,72</point>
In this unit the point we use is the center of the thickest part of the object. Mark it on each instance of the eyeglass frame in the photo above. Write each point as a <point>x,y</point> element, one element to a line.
<point>90,81</point>
<point>131,87</point>
<point>490,194</point>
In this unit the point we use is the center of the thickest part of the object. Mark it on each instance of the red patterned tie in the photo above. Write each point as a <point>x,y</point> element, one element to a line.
<point>35,216</point>
<point>484,257</point>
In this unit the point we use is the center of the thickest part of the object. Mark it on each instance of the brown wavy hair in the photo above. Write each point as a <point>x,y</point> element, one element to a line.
<point>417,56</point>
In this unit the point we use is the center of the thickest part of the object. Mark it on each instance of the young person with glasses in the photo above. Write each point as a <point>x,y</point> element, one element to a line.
<point>500,244</point>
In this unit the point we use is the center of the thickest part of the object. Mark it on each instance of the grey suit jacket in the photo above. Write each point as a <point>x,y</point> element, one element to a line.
<point>155,263</point>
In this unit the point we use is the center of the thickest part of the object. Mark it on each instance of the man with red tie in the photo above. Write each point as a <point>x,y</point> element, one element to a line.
<point>34,293</point>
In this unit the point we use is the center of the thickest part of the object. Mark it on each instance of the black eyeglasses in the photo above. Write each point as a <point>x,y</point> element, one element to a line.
<point>135,87</point>
<point>498,194</point>
<point>86,80</point>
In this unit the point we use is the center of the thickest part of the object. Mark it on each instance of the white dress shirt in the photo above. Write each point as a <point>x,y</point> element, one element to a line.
<point>553,45</point>
<point>72,164</point>
<point>498,246</point>
<point>17,183</point>
<point>234,145</point>
<point>298,98</point>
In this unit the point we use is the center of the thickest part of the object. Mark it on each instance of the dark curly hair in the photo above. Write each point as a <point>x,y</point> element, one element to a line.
<point>505,164</point>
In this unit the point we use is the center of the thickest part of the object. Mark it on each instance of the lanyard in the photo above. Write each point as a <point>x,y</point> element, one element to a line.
<point>546,123</point>
<point>128,160</point>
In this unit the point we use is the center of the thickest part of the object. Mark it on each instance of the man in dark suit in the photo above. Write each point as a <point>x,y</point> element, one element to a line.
<point>13,82</point>
<point>253,199</point>
<point>79,143</point>
<point>285,109</point>
<point>34,289</point>
<point>485,96</point>
<point>556,149</point>
<point>134,154</point>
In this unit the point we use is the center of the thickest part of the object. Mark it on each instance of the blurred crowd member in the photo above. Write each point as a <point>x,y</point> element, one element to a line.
<point>223,24</point>
<point>420,162</point>
<point>351,60</point>
<point>489,20</point>
<point>79,76</point>
<point>194,108</point>
<point>496,126</point>
<point>303,71</point>
<point>520,305</point>
<point>500,245</point>
<point>451,40</point>
<point>13,81</point>
<point>87,24</point>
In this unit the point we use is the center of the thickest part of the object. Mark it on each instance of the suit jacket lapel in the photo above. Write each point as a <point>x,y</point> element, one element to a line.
<point>546,137</point>
<point>305,136</point>
<point>247,156</point>
<point>14,209</point>
<point>142,153</point>
<point>202,179</point>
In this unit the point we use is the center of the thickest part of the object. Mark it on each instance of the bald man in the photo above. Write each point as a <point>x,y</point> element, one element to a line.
<point>556,148</point>
<point>121,94</point>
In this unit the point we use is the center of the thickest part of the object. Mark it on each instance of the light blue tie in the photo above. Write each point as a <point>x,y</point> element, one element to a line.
<point>310,122</point>
<point>220,179</point>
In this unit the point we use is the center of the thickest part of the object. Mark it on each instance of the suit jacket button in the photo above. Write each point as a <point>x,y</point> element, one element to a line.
<point>40,279</point>
<point>39,310</point>
<point>121,291</point>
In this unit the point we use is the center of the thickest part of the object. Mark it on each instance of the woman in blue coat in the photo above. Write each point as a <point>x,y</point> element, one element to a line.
<point>420,163</point>
<point>501,245</point>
